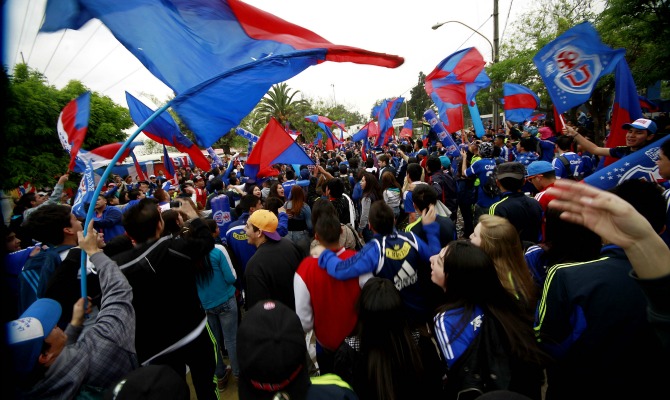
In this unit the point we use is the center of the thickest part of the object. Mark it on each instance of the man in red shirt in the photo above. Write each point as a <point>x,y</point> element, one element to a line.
<point>322,302</point>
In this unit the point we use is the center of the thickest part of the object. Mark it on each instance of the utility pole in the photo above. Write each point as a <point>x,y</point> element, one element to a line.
<point>496,43</point>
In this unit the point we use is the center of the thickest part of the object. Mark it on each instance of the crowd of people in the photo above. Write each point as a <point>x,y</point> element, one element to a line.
<point>393,272</point>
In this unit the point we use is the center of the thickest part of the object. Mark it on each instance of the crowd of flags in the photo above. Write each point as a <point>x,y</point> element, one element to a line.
<point>220,58</point>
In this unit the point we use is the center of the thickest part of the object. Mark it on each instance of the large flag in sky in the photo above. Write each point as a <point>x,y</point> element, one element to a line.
<point>103,155</point>
<point>275,146</point>
<point>165,130</point>
<point>387,112</point>
<point>640,164</point>
<point>369,129</point>
<point>454,82</point>
<point>220,57</point>
<point>626,107</point>
<point>73,124</point>
<point>571,65</point>
<point>85,192</point>
<point>519,102</point>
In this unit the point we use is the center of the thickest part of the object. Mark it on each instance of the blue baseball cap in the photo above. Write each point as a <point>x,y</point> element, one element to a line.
<point>538,168</point>
<point>26,335</point>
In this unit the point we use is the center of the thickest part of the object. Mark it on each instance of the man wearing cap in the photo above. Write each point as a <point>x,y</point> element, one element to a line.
<point>522,211</point>
<point>273,359</point>
<point>543,176</point>
<point>640,133</point>
<point>200,192</point>
<point>49,363</point>
<point>269,272</point>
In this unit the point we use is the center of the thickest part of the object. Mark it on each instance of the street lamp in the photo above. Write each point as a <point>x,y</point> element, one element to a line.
<point>493,53</point>
<point>494,50</point>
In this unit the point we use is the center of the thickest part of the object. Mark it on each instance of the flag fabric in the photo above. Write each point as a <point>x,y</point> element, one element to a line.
<point>519,102</point>
<point>640,164</point>
<point>168,165</point>
<point>165,130</point>
<point>571,65</point>
<point>538,117</point>
<point>211,46</point>
<point>454,82</point>
<point>442,134</point>
<point>73,124</point>
<point>216,160</point>
<point>559,123</point>
<point>647,105</point>
<point>85,192</point>
<point>102,156</point>
<point>387,112</point>
<point>406,131</point>
<point>367,130</point>
<point>325,123</point>
<point>274,146</point>
<point>626,107</point>
<point>246,134</point>
<point>138,168</point>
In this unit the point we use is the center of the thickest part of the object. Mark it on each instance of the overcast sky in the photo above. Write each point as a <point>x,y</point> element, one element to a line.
<point>93,56</point>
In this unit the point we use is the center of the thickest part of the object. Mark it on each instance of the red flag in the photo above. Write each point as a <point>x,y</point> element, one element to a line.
<point>73,124</point>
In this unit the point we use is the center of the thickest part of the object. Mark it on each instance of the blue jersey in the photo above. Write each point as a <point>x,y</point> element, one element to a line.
<point>575,166</point>
<point>453,340</point>
<point>482,169</point>
<point>526,158</point>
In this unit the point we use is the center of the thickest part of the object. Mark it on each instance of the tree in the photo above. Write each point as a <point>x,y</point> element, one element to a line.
<point>32,151</point>
<point>280,103</point>
<point>419,100</point>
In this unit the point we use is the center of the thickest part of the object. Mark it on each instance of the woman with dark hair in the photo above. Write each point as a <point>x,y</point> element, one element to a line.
<point>371,193</point>
<point>173,222</point>
<point>382,361</point>
<point>392,192</point>
<point>481,328</point>
<point>277,190</point>
<point>215,280</point>
<point>299,219</point>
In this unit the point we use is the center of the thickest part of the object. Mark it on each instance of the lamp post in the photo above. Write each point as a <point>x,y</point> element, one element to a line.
<point>494,50</point>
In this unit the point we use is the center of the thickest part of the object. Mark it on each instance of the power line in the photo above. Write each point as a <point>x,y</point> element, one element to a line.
<point>507,20</point>
<point>32,46</point>
<point>98,63</point>
<point>474,32</point>
<point>54,52</point>
<point>122,79</point>
<point>78,52</point>
<point>18,45</point>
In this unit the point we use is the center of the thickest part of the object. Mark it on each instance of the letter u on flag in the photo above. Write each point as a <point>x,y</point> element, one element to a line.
<point>571,65</point>
<point>73,125</point>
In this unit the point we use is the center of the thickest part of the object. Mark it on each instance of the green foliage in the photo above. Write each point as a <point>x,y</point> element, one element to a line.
<point>32,151</point>
<point>419,100</point>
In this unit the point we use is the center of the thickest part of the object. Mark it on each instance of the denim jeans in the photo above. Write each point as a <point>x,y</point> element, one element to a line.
<point>222,320</point>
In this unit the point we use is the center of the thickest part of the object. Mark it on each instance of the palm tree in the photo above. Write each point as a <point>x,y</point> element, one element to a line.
<point>279,103</point>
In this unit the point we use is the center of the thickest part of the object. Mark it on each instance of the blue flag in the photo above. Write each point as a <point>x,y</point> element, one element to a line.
<point>85,192</point>
<point>442,134</point>
<point>640,164</point>
<point>571,65</point>
<point>192,45</point>
<point>387,112</point>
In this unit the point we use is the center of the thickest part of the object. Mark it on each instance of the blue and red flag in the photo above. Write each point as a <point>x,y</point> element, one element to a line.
<point>626,106</point>
<point>640,164</point>
<point>102,156</point>
<point>168,164</point>
<point>325,123</point>
<point>220,57</point>
<point>519,102</point>
<point>538,117</point>
<point>165,130</point>
<point>387,112</point>
<point>455,82</point>
<point>647,105</point>
<point>274,146</point>
<point>571,65</point>
<point>406,131</point>
<point>84,192</point>
<point>73,124</point>
<point>141,174</point>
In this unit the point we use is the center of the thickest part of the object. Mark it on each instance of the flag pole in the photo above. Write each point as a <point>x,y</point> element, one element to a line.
<point>98,189</point>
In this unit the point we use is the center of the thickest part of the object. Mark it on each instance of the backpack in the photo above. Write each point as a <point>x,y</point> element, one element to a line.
<point>576,176</point>
<point>36,273</point>
<point>490,188</point>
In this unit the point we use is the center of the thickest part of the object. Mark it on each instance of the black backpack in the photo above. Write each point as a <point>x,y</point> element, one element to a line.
<point>566,165</point>
<point>490,187</point>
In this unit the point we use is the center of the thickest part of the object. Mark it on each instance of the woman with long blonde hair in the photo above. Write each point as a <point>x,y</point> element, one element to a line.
<point>500,240</point>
